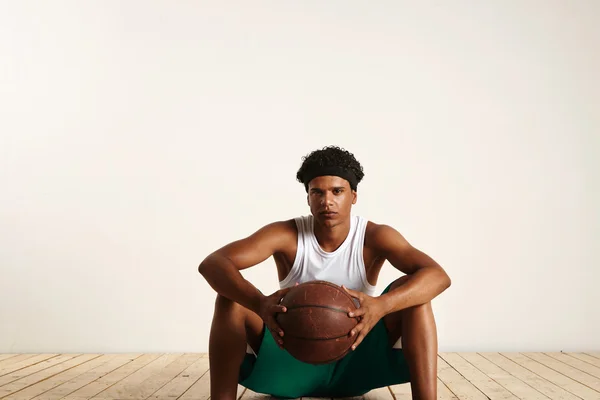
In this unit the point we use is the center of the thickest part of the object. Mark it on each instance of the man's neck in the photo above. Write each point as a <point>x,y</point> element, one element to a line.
<point>331,238</point>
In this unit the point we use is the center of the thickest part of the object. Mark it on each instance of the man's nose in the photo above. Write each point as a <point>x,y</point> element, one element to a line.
<point>327,198</point>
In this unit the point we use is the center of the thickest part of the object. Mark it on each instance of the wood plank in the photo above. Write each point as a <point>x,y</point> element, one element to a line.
<point>586,357</point>
<point>200,390</point>
<point>593,354</point>
<point>555,377</point>
<point>17,363</point>
<point>537,382</point>
<point>46,373</point>
<point>240,391</point>
<point>573,373</point>
<point>128,387</point>
<point>26,371</point>
<point>106,381</point>
<point>250,395</point>
<point>469,376</point>
<point>16,358</point>
<point>480,380</point>
<point>402,391</point>
<point>382,393</point>
<point>159,377</point>
<point>45,385</point>
<point>504,378</point>
<point>7,356</point>
<point>444,392</point>
<point>576,363</point>
<point>462,388</point>
<point>77,382</point>
<point>183,381</point>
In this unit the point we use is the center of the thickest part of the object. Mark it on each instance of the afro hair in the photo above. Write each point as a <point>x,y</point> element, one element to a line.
<point>330,156</point>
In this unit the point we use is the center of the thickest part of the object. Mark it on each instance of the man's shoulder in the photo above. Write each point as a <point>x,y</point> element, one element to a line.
<point>283,233</point>
<point>373,227</point>
<point>285,224</point>
<point>377,233</point>
<point>284,228</point>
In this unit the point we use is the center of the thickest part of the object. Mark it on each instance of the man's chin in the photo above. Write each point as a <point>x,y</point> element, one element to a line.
<point>328,221</point>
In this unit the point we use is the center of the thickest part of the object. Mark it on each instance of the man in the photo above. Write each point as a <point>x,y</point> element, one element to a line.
<point>396,338</point>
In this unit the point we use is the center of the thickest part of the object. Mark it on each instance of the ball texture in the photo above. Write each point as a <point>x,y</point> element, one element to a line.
<point>316,325</point>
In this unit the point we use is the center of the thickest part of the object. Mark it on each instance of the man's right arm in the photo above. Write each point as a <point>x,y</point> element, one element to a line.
<point>221,269</point>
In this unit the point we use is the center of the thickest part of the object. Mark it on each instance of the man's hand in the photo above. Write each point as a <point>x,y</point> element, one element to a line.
<point>369,313</point>
<point>269,307</point>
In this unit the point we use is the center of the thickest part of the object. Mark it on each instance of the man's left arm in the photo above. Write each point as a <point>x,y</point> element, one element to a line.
<point>427,279</point>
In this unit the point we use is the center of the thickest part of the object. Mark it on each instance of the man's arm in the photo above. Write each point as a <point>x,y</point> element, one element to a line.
<point>221,269</point>
<point>427,278</point>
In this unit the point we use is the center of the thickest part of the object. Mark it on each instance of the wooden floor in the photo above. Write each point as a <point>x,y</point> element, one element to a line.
<point>472,376</point>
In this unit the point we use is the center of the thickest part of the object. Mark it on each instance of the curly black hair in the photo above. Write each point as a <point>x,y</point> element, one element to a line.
<point>329,157</point>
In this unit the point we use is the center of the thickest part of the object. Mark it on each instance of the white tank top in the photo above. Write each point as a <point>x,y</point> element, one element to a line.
<point>344,266</point>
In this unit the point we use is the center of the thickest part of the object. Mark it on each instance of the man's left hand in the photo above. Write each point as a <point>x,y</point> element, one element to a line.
<point>369,313</point>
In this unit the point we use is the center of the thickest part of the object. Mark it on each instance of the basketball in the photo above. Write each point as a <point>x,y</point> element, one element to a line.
<point>316,325</point>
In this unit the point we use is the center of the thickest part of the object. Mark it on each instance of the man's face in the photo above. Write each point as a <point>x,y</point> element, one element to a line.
<point>330,199</point>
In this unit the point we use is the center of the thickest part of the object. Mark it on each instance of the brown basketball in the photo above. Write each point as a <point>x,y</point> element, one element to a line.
<point>316,325</point>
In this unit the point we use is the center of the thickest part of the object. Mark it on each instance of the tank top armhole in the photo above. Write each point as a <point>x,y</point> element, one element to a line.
<point>362,228</point>
<point>299,252</point>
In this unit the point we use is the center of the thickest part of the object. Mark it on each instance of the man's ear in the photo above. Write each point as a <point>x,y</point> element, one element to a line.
<point>354,196</point>
<point>307,200</point>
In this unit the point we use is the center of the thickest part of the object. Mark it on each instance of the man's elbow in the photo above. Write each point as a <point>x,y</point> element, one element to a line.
<point>446,281</point>
<point>442,279</point>
<point>205,264</point>
<point>202,268</point>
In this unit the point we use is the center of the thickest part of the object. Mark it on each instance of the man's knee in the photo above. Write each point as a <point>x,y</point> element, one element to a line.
<point>419,309</point>
<point>225,307</point>
<point>232,315</point>
<point>394,321</point>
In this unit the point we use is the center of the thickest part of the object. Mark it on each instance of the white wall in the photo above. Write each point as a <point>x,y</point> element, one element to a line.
<point>137,137</point>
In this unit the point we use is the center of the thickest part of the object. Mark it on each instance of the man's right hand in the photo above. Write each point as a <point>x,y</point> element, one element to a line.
<point>269,307</point>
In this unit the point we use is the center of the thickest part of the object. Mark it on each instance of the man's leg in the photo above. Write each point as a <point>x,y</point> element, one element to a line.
<point>233,327</point>
<point>416,326</point>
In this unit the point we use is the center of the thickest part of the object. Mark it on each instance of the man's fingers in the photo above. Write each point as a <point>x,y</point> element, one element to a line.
<point>359,340</point>
<point>280,294</point>
<point>277,338</point>
<point>356,330</point>
<point>277,308</point>
<point>355,294</point>
<point>277,334</point>
<point>275,328</point>
<point>357,313</point>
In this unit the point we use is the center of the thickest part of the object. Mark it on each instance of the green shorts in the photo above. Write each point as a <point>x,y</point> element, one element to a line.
<point>373,364</point>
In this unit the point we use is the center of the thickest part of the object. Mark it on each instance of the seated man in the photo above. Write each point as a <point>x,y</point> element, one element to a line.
<point>396,338</point>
